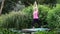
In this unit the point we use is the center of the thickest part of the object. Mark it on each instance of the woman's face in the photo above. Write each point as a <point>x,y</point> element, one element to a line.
<point>35,9</point>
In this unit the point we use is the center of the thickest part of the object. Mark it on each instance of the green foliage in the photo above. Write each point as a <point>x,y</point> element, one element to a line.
<point>58,1</point>
<point>9,4</point>
<point>23,19</point>
<point>7,31</point>
<point>43,10</point>
<point>47,32</point>
<point>54,17</point>
<point>15,20</point>
<point>28,2</point>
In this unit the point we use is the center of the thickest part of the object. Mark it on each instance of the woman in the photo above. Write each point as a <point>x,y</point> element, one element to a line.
<point>35,15</point>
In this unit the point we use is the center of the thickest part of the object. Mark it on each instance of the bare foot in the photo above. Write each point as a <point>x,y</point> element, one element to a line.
<point>41,26</point>
<point>33,27</point>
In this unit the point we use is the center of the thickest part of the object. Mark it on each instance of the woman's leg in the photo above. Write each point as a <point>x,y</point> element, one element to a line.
<point>33,23</point>
<point>36,21</point>
<point>39,23</point>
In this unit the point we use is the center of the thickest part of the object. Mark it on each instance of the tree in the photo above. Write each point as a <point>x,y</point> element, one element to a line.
<point>2,5</point>
<point>8,6</point>
<point>28,2</point>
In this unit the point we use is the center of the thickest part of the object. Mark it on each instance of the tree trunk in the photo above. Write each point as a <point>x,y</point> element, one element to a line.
<point>2,5</point>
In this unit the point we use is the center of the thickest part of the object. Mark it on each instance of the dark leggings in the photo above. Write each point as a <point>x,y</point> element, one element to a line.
<point>36,21</point>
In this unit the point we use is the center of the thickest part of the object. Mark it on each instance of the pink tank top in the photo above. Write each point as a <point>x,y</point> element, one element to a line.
<point>35,13</point>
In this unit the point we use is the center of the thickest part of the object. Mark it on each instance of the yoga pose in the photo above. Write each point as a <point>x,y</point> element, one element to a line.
<point>35,15</point>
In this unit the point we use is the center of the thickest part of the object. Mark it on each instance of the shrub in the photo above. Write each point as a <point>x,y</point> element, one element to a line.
<point>7,31</point>
<point>23,19</point>
<point>54,17</point>
<point>43,11</point>
<point>15,20</point>
<point>47,32</point>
